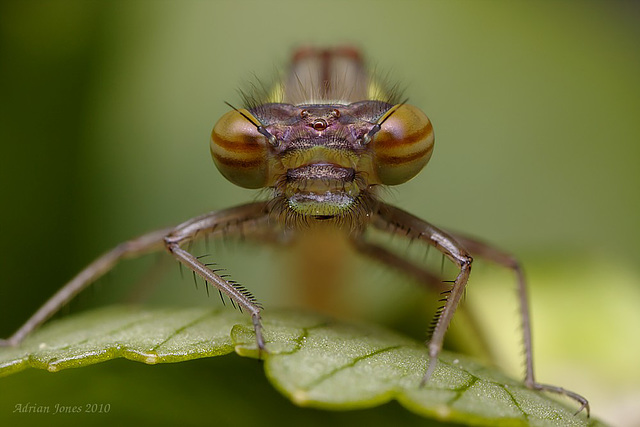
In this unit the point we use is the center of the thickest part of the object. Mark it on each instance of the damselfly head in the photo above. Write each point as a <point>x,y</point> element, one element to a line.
<point>323,159</point>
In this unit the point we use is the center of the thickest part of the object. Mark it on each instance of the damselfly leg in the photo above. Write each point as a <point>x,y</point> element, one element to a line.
<point>242,219</point>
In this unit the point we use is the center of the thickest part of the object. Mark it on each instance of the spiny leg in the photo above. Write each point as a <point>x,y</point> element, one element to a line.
<point>245,219</point>
<point>432,282</point>
<point>233,290</point>
<point>146,243</point>
<point>154,241</point>
<point>392,219</point>
<point>490,253</point>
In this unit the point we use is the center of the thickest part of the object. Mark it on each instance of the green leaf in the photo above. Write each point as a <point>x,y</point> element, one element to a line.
<point>313,360</point>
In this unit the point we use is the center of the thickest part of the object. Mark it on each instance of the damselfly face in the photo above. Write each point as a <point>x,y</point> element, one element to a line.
<point>323,157</point>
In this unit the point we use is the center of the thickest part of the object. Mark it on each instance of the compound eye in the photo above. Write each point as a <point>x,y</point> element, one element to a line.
<point>403,145</point>
<point>239,150</point>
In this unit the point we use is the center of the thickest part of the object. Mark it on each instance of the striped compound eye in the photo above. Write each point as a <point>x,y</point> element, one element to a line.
<point>239,151</point>
<point>403,145</point>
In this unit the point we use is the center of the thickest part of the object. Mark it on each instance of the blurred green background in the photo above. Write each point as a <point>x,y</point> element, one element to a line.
<point>106,108</point>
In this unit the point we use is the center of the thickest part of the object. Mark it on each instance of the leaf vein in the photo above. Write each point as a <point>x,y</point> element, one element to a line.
<point>181,329</point>
<point>355,361</point>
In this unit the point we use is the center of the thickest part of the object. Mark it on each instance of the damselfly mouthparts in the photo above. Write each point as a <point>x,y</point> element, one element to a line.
<point>323,141</point>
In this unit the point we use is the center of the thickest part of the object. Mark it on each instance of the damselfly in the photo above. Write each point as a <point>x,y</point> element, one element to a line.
<point>323,141</point>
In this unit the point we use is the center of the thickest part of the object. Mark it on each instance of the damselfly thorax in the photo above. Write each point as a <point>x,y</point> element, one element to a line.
<point>321,142</point>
